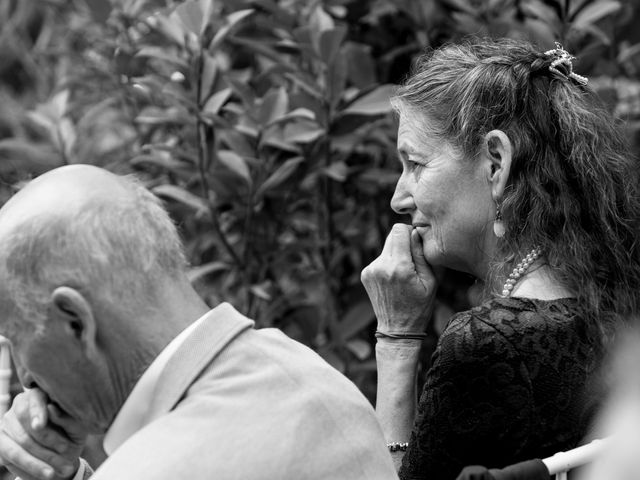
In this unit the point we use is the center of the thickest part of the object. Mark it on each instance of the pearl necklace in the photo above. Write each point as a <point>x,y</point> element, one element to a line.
<point>519,271</point>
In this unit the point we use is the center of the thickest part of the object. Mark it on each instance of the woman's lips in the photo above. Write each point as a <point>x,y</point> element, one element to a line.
<point>421,229</point>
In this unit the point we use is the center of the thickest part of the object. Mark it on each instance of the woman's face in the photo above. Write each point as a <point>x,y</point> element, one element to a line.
<point>448,198</point>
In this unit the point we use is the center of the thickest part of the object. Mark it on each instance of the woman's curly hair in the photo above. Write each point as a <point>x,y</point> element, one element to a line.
<point>573,187</point>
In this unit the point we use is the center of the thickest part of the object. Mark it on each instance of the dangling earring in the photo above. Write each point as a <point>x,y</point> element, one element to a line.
<point>498,225</point>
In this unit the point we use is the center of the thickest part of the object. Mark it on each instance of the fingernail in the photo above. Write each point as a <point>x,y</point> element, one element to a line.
<point>48,472</point>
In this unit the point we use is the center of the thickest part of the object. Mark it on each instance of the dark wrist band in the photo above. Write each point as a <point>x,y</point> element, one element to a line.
<point>401,336</point>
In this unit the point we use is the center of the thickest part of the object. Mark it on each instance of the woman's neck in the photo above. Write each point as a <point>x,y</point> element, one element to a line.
<point>540,284</point>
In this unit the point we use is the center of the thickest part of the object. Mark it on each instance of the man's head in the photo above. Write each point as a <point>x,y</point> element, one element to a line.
<point>86,258</point>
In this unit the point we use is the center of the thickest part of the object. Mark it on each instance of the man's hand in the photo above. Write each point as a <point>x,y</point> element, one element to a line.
<point>38,441</point>
<point>400,283</point>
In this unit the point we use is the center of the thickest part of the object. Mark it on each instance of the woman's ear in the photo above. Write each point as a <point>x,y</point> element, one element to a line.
<point>499,154</point>
<point>75,315</point>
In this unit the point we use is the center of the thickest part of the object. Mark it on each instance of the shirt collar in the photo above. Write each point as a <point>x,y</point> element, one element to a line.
<point>133,415</point>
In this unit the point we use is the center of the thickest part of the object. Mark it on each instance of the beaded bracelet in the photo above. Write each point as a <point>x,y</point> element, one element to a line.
<point>402,336</point>
<point>398,446</point>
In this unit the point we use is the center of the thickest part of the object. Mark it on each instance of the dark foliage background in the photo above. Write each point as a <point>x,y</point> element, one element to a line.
<point>266,127</point>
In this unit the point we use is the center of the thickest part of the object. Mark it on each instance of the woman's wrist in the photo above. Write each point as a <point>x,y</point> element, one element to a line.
<point>398,346</point>
<point>397,359</point>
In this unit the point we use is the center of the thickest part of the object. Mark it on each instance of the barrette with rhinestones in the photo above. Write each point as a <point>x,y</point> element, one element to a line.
<point>563,58</point>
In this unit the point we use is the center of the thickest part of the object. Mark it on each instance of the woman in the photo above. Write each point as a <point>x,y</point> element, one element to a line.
<point>512,173</point>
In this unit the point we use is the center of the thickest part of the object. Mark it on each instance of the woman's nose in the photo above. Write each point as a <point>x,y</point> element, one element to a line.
<point>402,200</point>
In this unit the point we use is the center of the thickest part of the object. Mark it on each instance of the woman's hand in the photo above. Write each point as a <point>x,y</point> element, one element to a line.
<point>400,283</point>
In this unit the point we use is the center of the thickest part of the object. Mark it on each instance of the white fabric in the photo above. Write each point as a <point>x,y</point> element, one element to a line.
<point>84,471</point>
<point>80,472</point>
<point>133,415</point>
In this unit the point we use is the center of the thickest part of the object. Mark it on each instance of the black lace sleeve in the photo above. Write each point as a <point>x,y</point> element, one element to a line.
<point>511,380</point>
<point>476,406</point>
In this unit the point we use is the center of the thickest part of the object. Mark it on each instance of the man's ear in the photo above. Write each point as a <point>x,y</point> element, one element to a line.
<point>75,314</point>
<point>499,153</point>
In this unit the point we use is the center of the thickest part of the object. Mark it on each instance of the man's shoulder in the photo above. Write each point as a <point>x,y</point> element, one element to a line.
<point>269,403</point>
<point>250,437</point>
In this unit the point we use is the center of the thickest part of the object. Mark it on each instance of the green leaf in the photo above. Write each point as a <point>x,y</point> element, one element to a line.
<point>356,319</point>
<point>373,103</point>
<point>261,292</point>
<point>242,91</point>
<point>172,28</point>
<point>95,112</point>
<point>462,6</point>
<point>337,171</point>
<point>595,12</point>
<point>235,163</point>
<point>233,19</point>
<point>538,10</point>
<point>282,173</point>
<point>162,54</point>
<point>206,6</point>
<point>259,48</point>
<point>132,7</point>
<point>360,348</point>
<point>190,14</point>
<point>209,74</point>
<point>336,79</point>
<point>329,43</point>
<point>379,176</point>
<point>361,69</point>
<point>321,20</point>
<point>65,138</point>
<point>217,100</point>
<point>160,116</point>
<point>100,10</point>
<point>304,85</point>
<point>200,271</point>
<point>183,196</point>
<point>59,104</point>
<point>274,105</point>
<point>30,157</point>
<point>298,113</point>
<point>160,159</point>
<point>238,142</point>
<point>302,131</point>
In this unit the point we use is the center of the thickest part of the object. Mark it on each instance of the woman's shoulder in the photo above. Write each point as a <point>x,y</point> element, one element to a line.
<point>512,317</point>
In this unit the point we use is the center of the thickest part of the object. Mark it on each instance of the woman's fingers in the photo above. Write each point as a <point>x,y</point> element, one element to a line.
<point>417,255</point>
<point>397,243</point>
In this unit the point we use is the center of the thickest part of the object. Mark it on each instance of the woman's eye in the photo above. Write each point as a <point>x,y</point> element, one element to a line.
<point>415,166</point>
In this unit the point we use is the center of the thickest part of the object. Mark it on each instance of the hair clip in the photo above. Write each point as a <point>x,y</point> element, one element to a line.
<point>563,59</point>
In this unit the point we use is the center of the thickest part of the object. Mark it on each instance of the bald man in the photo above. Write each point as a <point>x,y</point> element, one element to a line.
<point>109,337</point>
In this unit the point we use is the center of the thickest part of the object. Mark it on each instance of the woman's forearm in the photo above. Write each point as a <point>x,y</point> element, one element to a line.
<point>397,362</point>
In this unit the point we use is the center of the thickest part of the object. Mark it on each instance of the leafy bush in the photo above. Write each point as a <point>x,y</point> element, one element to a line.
<point>266,127</point>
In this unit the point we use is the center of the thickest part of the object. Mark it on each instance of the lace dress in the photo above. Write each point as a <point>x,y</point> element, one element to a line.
<point>511,380</point>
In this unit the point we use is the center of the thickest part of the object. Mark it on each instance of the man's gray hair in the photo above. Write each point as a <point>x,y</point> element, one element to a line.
<point>115,250</point>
